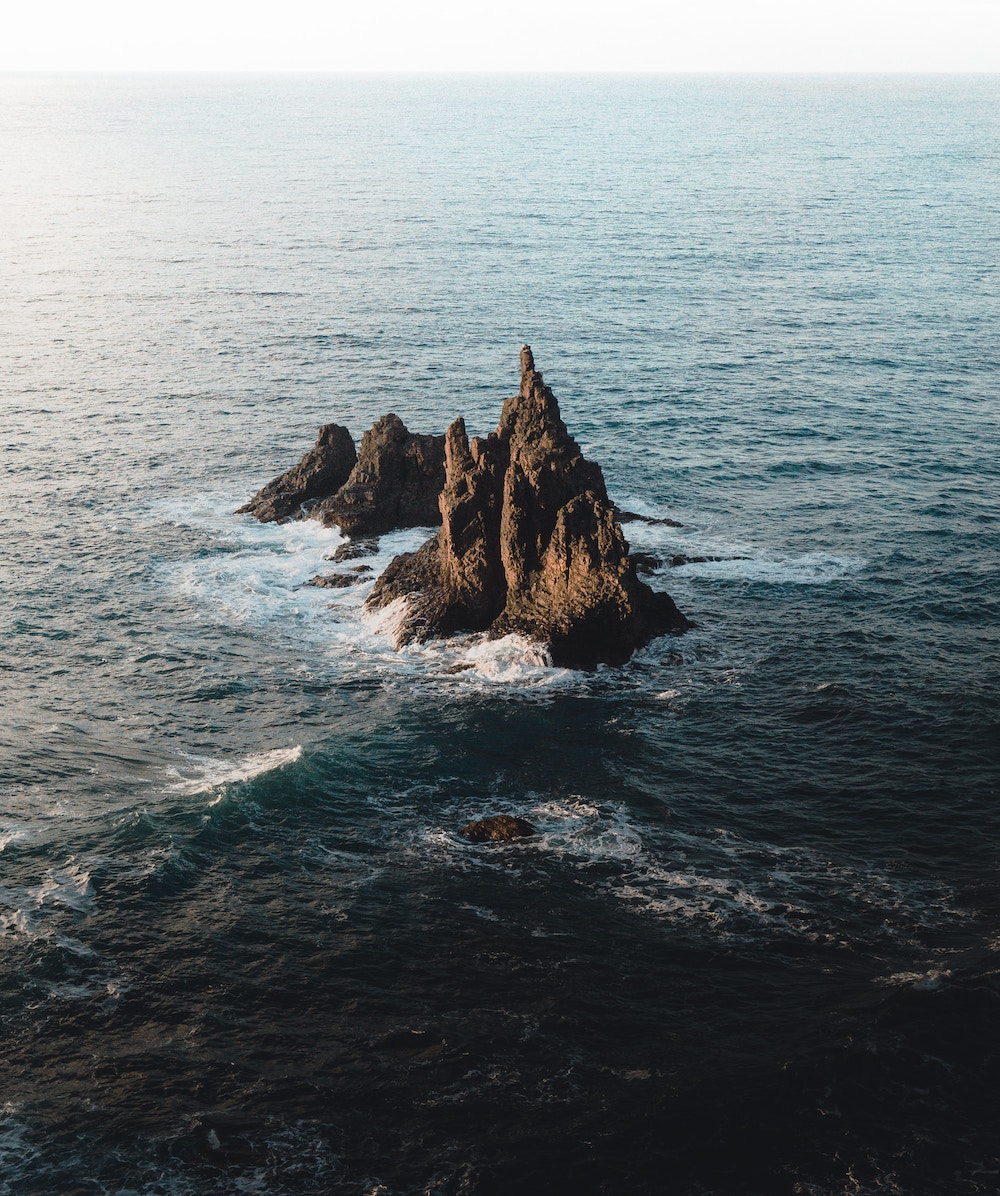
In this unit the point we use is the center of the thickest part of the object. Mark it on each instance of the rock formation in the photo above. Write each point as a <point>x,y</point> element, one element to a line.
<point>322,471</point>
<point>529,543</point>
<point>499,828</point>
<point>334,581</point>
<point>354,549</point>
<point>395,483</point>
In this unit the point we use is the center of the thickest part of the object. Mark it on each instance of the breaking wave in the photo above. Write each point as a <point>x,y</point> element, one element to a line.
<point>204,775</point>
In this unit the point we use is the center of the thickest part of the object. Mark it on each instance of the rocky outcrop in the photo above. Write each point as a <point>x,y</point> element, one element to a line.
<point>322,471</point>
<point>395,483</point>
<point>499,828</point>
<point>334,581</point>
<point>354,549</point>
<point>529,543</point>
<point>635,517</point>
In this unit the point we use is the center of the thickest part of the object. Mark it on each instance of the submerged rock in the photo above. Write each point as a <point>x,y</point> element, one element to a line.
<point>680,559</point>
<point>500,828</point>
<point>395,483</point>
<point>321,472</point>
<point>635,517</point>
<point>529,543</point>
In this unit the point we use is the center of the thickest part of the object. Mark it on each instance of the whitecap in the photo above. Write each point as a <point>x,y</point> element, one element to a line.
<point>13,834</point>
<point>811,568</point>
<point>208,774</point>
<point>579,829</point>
<point>68,886</point>
<point>512,662</point>
<point>927,981</point>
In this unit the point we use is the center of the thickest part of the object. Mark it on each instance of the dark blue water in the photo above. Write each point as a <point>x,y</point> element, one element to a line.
<point>754,948</point>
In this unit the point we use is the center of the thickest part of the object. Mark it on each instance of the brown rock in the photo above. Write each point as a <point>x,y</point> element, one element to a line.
<point>529,543</point>
<point>500,828</point>
<point>645,562</point>
<point>321,472</point>
<point>334,581</point>
<point>353,549</point>
<point>395,483</point>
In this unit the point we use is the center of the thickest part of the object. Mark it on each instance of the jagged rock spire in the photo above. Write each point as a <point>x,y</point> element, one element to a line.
<point>527,362</point>
<point>528,543</point>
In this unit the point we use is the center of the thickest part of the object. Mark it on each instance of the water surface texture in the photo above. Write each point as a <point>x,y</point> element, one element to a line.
<point>754,947</point>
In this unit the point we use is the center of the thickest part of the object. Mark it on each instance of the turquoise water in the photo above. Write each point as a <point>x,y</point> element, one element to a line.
<point>754,948</point>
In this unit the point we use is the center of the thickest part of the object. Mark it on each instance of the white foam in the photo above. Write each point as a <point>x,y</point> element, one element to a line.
<point>927,981</point>
<point>811,568</point>
<point>68,886</point>
<point>387,621</point>
<point>13,834</point>
<point>256,578</point>
<point>254,575</point>
<point>577,828</point>
<point>209,774</point>
<point>739,560</point>
<point>513,662</point>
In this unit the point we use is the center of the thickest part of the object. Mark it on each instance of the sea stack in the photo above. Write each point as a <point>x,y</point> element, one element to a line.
<point>322,471</point>
<point>395,483</point>
<point>529,543</point>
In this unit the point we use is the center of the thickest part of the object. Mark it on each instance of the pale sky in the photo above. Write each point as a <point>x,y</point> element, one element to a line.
<point>525,35</point>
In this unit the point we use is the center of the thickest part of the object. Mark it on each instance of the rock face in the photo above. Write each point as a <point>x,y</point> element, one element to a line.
<point>529,543</point>
<point>500,828</point>
<point>322,471</point>
<point>395,483</point>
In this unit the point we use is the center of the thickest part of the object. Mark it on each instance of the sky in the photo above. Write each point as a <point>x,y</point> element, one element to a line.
<point>519,35</point>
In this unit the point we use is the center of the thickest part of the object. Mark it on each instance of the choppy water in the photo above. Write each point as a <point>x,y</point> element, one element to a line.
<point>755,948</point>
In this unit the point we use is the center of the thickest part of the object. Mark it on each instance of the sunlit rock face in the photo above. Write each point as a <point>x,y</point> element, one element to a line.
<point>529,544</point>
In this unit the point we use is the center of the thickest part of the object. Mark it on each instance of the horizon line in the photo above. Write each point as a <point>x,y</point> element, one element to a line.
<point>9,72</point>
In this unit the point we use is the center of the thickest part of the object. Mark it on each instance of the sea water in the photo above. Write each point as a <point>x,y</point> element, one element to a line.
<point>754,946</point>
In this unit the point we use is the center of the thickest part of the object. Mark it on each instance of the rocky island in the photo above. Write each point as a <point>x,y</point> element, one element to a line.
<point>529,541</point>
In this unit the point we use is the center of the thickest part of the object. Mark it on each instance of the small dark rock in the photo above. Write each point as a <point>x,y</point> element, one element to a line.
<point>680,559</point>
<point>353,549</point>
<point>333,581</point>
<point>361,569</point>
<point>635,517</point>
<point>645,562</point>
<point>500,828</point>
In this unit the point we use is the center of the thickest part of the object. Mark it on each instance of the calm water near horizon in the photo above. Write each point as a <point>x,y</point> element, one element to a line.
<point>755,948</point>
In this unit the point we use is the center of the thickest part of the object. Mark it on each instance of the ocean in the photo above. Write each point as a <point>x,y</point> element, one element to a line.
<point>754,948</point>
